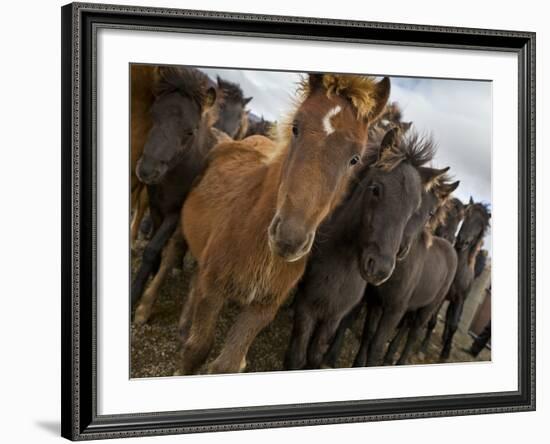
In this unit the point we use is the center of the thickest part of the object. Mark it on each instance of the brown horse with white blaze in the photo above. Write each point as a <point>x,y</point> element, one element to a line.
<point>286,190</point>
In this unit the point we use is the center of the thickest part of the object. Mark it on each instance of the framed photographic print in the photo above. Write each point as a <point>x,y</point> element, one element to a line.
<point>279,221</point>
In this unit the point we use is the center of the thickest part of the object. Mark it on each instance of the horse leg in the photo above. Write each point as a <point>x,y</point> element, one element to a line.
<point>304,325</point>
<point>422,316</point>
<point>454,312</point>
<point>140,207</point>
<point>429,329</point>
<point>374,314</point>
<point>396,342</point>
<point>386,327</point>
<point>151,254</point>
<point>170,255</point>
<point>321,342</point>
<point>252,319</point>
<point>207,303</point>
<point>331,357</point>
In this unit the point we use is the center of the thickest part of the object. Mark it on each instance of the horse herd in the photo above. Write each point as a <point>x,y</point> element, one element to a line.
<point>336,204</point>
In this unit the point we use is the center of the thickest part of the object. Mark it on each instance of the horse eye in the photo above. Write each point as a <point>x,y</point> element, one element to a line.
<point>354,160</point>
<point>295,130</point>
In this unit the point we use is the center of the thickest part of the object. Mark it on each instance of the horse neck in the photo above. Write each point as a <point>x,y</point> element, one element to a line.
<point>345,221</point>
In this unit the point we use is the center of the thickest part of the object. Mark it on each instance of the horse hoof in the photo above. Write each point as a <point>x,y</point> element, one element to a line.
<point>141,316</point>
<point>242,367</point>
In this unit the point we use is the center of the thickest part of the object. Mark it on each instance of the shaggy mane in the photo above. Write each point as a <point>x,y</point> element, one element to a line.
<point>415,149</point>
<point>232,92</point>
<point>189,82</point>
<point>358,89</point>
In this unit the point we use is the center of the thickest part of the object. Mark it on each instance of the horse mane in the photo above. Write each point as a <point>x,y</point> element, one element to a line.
<point>189,82</point>
<point>230,91</point>
<point>484,210</point>
<point>415,149</point>
<point>359,90</point>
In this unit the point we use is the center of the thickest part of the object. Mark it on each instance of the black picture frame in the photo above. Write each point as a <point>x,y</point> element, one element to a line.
<point>79,414</point>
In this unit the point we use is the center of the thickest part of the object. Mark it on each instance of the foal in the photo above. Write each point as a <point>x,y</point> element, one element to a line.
<point>173,156</point>
<point>447,229</point>
<point>388,303</point>
<point>467,246</point>
<point>232,116</point>
<point>363,231</point>
<point>436,276</point>
<point>285,194</point>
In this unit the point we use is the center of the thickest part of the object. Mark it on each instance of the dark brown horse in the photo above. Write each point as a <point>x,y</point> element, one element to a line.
<point>447,229</point>
<point>438,271</point>
<point>388,303</point>
<point>232,117</point>
<point>174,155</point>
<point>285,190</point>
<point>363,234</point>
<point>468,244</point>
<point>258,126</point>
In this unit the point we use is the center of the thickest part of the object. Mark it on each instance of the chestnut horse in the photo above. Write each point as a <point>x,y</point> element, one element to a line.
<point>142,98</point>
<point>251,220</point>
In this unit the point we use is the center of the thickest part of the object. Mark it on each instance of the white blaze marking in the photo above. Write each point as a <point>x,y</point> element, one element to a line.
<point>327,125</point>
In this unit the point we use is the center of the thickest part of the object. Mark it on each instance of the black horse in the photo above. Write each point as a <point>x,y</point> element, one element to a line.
<point>406,291</point>
<point>175,153</point>
<point>359,243</point>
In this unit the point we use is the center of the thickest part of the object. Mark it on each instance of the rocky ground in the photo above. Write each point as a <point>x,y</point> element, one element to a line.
<point>155,345</point>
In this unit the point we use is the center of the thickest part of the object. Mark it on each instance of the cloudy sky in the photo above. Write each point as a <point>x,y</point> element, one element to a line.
<point>456,113</point>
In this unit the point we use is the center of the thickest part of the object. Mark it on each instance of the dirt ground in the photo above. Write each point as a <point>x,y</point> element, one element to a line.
<point>155,345</point>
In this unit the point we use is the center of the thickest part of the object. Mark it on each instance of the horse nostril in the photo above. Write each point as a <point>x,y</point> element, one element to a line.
<point>274,227</point>
<point>370,265</point>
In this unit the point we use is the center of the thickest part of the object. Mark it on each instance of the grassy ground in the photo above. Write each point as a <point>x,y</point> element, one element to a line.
<point>155,345</point>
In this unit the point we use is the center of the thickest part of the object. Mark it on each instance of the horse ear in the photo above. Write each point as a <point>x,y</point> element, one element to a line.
<point>390,139</point>
<point>381,96</point>
<point>218,80</point>
<point>429,176</point>
<point>405,126</point>
<point>246,100</point>
<point>315,81</point>
<point>210,98</point>
<point>448,188</point>
<point>471,202</point>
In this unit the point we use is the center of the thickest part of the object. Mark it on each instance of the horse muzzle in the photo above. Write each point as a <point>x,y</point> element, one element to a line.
<point>288,241</point>
<point>376,269</point>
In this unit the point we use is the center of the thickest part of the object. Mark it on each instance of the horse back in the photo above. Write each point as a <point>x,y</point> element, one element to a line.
<point>438,272</point>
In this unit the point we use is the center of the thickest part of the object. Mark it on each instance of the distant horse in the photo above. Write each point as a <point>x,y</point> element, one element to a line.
<point>174,155</point>
<point>438,271</point>
<point>447,229</point>
<point>142,98</point>
<point>389,302</point>
<point>232,117</point>
<point>258,126</point>
<point>252,219</point>
<point>392,117</point>
<point>366,229</point>
<point>468,243</point>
